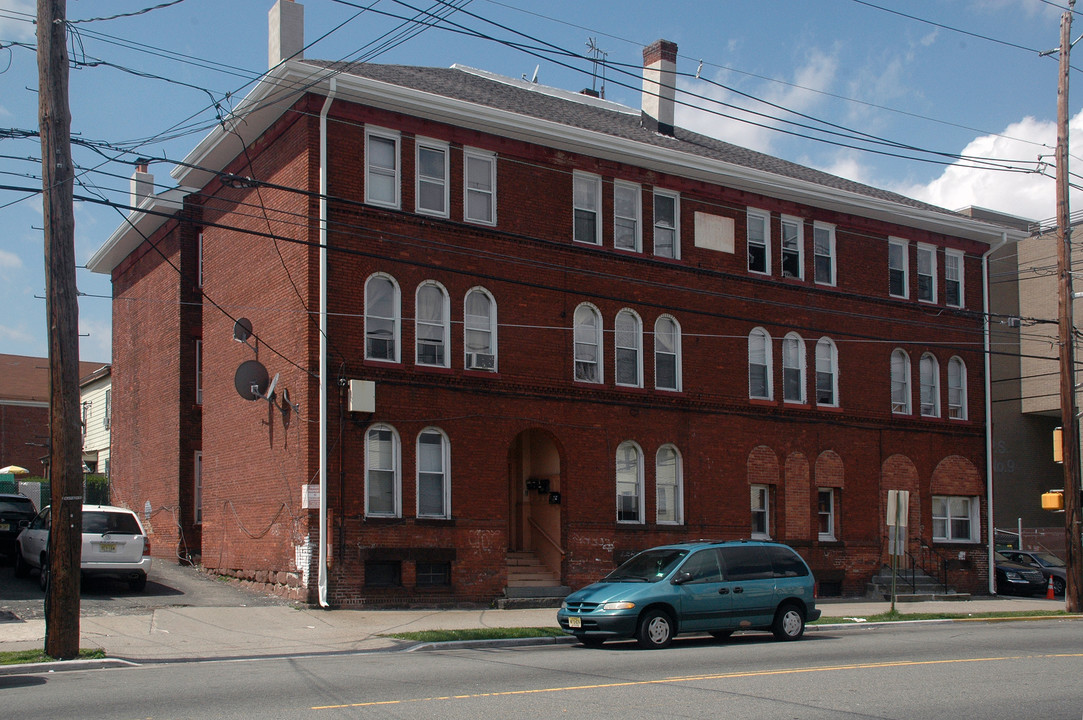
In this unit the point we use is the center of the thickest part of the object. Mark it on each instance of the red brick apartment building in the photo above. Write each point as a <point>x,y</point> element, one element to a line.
<point>506,318</point>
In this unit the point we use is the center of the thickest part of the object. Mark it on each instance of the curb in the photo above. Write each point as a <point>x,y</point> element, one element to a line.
<point>44,668</point>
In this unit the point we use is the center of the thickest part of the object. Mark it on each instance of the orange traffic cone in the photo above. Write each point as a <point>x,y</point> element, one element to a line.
<point>1049,591</point>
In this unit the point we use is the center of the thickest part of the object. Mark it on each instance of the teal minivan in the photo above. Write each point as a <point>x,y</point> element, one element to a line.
<point>712,587</point>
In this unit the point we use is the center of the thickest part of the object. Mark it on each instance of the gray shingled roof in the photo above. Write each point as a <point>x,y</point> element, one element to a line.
<point>462,85</point>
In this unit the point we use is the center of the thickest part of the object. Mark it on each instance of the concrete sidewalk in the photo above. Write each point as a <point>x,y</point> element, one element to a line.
<point>200,633</point>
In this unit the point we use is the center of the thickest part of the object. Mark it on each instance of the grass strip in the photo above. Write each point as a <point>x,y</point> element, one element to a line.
<point>20,657</point>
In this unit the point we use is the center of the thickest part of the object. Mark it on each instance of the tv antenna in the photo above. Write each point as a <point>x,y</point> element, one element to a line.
<point>598,56</point>
<point>534,77</point>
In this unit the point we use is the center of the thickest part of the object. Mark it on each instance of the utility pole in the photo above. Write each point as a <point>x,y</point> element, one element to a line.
<point>1073,592</point>
<point>62,310</point>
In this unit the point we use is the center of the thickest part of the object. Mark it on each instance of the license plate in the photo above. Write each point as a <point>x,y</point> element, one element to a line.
<point>575,622</point>
<point>107,547</point>
<point>4,527</point>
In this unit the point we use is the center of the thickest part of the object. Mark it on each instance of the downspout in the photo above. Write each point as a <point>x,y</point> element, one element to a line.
<point>322,575</point>
<point>989,410</point>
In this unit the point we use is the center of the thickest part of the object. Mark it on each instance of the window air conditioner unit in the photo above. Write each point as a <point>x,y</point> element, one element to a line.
<point>480,361</point>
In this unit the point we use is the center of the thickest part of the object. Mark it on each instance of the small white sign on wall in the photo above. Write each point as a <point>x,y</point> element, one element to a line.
<point>310,497</point>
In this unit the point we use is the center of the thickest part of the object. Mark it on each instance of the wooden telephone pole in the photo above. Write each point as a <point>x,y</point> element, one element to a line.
<point>62,310</point>
<point>1073,592</point>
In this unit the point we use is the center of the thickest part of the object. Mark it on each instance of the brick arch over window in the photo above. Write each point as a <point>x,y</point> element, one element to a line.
<point>762,466</point>
<point>955,475</point>
<point>829,470</point>
<point>899,473</point>
<point>798,493</point>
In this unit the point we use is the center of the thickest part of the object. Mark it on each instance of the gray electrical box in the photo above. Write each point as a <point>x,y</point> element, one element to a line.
<point>362,396</point>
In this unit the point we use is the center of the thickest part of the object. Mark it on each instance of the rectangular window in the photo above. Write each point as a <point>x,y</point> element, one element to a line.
<point>197,492</point>
<point>823,238</point>
<point>480,187</point>
<point>825,513</point>
<point>382,167</point>
<point>761,511</point>
<point>433,574</point>
<point>926,273</point>
<point>199,372</point>
<point>627,207</point>
<point>383,573</point>
<point>953,278</point>
<point>382,474</point>
<point>793,247</point>
<point>107,419</point>
<point>759,241</point>
<point>898,268</point>
<point>432,174</point>
<point>586,207</point>
<point>955,519</point>
<point>667,234</point>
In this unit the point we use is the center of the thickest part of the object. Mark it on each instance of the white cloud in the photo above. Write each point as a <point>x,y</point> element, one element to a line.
<point>16,22</point>
<point>10,261</point>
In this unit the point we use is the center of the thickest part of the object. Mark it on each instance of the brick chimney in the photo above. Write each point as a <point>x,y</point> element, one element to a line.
<point>141,185</point>
<point>659,85</point>
<point>286,32</point>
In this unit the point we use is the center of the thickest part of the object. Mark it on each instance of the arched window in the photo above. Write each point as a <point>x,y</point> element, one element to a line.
<point>759,364</point>
<point>479,330</point>
<point>900,382</point>
<point>629,483</point>
<point>383,479</point>
<point>827,372</point>
<point>588,344</point>
<point>382,318</point>
<point>432,326</point>
<point>433,474</point>
<point>956,389</point>
<point>667,354</point>
<point>930,386</point>
<point>793,368</point>
<point>669,508</point>
<point>627,345</point>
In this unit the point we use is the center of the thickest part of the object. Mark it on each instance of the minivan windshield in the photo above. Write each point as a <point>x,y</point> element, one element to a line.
<point>649,566</point>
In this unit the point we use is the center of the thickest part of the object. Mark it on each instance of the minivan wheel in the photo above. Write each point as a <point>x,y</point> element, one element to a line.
<point>43,574</point>
<point>655,630</point>
<point>789,622</point>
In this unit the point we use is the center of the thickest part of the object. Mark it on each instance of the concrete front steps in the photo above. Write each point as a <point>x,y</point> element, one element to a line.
<point>924,588</point>
<point>531,584</point>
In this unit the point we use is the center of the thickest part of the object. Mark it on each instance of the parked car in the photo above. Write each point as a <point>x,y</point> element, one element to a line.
<point>16,512</point>
<point>714,587</point>
<point>114,545</point>
<point>1017,579</point>
<point>1050,565</point>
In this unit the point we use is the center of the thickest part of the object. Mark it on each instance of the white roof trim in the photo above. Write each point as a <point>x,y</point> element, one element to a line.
<point>138,226</point>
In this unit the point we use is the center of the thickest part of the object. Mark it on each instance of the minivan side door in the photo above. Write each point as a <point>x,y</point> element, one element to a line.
<point>703,601</point>
<point>750,578</point>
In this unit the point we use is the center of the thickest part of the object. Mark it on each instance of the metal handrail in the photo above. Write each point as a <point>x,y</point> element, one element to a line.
<point>534,524</point>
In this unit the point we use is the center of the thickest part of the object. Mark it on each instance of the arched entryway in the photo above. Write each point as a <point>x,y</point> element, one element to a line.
<point>534,520</point>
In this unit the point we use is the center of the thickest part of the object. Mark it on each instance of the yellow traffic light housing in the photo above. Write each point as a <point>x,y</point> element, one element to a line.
<point>1058,445</point>
<point>1053,500</point>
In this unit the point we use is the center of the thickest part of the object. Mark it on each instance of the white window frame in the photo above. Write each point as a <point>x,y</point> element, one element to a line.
<point>904,249</point>
<point>395,470</point>
<point>762,220</point>
<point>760,508</point>
<point>197,487</point>
<point>767,364</point>
<point>596,341</point>
<point>676,517</point>
<point>444,472</point>
<point>794,340</point>
<point>958,257</point>
<point>901,378</point>
<point>636,218</point>
<point>799,224</point>
<point>395,173</point>
<point>199,270</point>
<point>470,325</point>
<point>957,395</point>
<point>468,190</point>
<point>828,365</point>
<point>395,319</point>
<point>443,323</point>
<point>659,227</point>
<point>944,516</point>
<point>927,251</point>
<point>827,514</point>
<point>929,382</point>
<point>623,483</point>
<point>817,229</point>
<point>107,416</point>
<point>663,352</point>
<point>438,146</point>
<point>199,372</point>
<point>628,341</point>
<point>592,184</point>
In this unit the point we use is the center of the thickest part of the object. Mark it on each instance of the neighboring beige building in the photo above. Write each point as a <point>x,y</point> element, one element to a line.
<point>95,395</point>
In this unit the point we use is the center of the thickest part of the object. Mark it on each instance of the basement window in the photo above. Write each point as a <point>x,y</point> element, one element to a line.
<point>433,574</point>
<point>383,573</point>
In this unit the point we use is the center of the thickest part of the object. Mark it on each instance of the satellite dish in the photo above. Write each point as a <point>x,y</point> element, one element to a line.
<point>242,330</point>
<point>251,380</point>
<point>269,393</point>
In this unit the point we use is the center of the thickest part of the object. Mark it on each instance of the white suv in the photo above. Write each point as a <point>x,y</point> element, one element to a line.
<point>114,545</point>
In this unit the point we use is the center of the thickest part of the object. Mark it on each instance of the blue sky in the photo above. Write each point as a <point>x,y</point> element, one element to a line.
<point>954,77</point>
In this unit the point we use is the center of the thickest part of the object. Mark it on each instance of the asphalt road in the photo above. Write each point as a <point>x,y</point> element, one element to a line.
<point>169,585</point>
<point>905,672</point>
